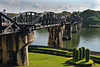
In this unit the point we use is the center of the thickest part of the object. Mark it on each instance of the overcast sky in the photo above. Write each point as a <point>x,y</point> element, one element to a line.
<point>14,6</point>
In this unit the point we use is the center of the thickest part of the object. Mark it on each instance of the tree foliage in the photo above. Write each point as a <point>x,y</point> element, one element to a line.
<point>90,17</point>
<point>11,14</point>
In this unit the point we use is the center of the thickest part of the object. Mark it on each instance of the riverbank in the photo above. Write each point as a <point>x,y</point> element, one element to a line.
<point>58,52</point>
<point>87,37</point>
<point>70,50</point>
<point>91,27</point>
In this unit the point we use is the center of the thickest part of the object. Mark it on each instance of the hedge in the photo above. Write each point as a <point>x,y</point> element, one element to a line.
<point>80,53</point>
<point>95,58</point>
<point>87,55</point>
<point>50,51</point>
<point>53,51</point>
<point>83,52</point>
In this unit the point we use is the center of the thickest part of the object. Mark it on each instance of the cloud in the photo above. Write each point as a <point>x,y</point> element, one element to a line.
<point>11,1</point>
<point>47,5</point>
<point>37,5</point>
<point>72,7</point>
<point>96,5</point>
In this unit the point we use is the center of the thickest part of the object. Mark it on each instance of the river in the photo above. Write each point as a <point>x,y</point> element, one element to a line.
<point>87,37</point>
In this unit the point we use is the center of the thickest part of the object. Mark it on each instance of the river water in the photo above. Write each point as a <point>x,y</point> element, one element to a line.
<point>87,37</point>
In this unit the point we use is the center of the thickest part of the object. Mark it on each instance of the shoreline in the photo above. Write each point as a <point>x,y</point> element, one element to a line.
<point>92,52</point>
<point>91,27</point>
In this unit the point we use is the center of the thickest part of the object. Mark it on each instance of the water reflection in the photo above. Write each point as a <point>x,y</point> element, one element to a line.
<point>41,37</point>
<point>90,38</point>
<point>87,37</point>
<point>74,42</point>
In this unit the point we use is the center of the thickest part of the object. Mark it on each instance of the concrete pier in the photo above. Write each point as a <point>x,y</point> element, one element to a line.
<point>14,48</point>
<point>55,37</point>
<point>69,31</point>
<point>75,28</point>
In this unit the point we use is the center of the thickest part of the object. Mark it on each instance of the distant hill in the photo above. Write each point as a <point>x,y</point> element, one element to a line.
<point>64,12</point>
<point>11,14</point>
<point>90,17</point>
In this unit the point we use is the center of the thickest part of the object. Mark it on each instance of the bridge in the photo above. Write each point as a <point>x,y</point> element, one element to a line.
<point>17,33</point>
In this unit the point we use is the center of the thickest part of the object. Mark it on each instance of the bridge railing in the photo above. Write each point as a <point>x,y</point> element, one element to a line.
<point>35,19</point>
<point>26,17</point>
<point>7,24</point>
<point>25,21</point>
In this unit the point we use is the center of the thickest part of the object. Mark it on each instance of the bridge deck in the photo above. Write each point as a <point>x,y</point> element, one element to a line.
<point>4,33</point>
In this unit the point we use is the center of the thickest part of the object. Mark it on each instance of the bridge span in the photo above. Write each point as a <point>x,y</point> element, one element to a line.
<point>17,33</point>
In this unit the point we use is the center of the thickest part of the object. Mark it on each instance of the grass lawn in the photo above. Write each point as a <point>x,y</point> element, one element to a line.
<point>46,60</point>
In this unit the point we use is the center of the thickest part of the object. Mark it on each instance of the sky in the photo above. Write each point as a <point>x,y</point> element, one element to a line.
<point>16,6</point>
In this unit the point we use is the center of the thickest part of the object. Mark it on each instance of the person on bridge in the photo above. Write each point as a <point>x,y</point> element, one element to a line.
<point>4,12</point>
<point>63,19</point>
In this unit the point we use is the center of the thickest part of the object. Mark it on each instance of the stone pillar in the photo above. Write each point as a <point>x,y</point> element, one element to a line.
<point>75,27</point>
<point>79,25</point>
<point>55,37</point>
<point>65,35</point>
<point>14,48</point>
<point>69,31</point>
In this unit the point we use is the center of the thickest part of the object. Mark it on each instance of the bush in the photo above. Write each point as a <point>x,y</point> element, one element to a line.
<point>80,54</point>
<point>83,48</point>
<point>74,53</point>
<point>87,55</point>
<point>50,51</point>
<point>77,55</point>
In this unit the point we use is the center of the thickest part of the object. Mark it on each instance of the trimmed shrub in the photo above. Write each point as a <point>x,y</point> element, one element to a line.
<point>74,53</point>
<point>77,55</point>
<point>87,55</point>
<point>83,48</point>
<point>50,51</point>
<point>80,54</point>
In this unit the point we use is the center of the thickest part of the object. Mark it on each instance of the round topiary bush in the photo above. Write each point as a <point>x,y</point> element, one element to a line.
<point>83,48</point>
<point>74,53</point>
<point>87,55</point>
<point>80,54</point>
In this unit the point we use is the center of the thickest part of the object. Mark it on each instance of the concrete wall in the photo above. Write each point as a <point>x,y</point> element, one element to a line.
<point>14,48</point>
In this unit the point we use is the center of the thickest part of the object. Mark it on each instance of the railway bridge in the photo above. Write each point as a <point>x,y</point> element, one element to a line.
<point>17,33</point>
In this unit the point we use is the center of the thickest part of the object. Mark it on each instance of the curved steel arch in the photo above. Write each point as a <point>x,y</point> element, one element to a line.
<point>22,13</point>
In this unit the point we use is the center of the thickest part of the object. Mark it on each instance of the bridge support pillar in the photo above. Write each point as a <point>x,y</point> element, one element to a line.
<point>55,37</point>
<point>79,25</point>
<point>14,48</point>
<point>75,27</point>
<point>65,35</point>
<point>69,31</point>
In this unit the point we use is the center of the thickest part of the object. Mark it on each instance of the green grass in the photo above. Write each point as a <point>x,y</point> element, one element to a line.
<point>46,60</point>
<point>95,25</point>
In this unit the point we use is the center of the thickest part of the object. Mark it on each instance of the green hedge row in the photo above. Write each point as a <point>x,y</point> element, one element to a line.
<point>95,58</point>
<point>50,51</point>
<point>59,52</point>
